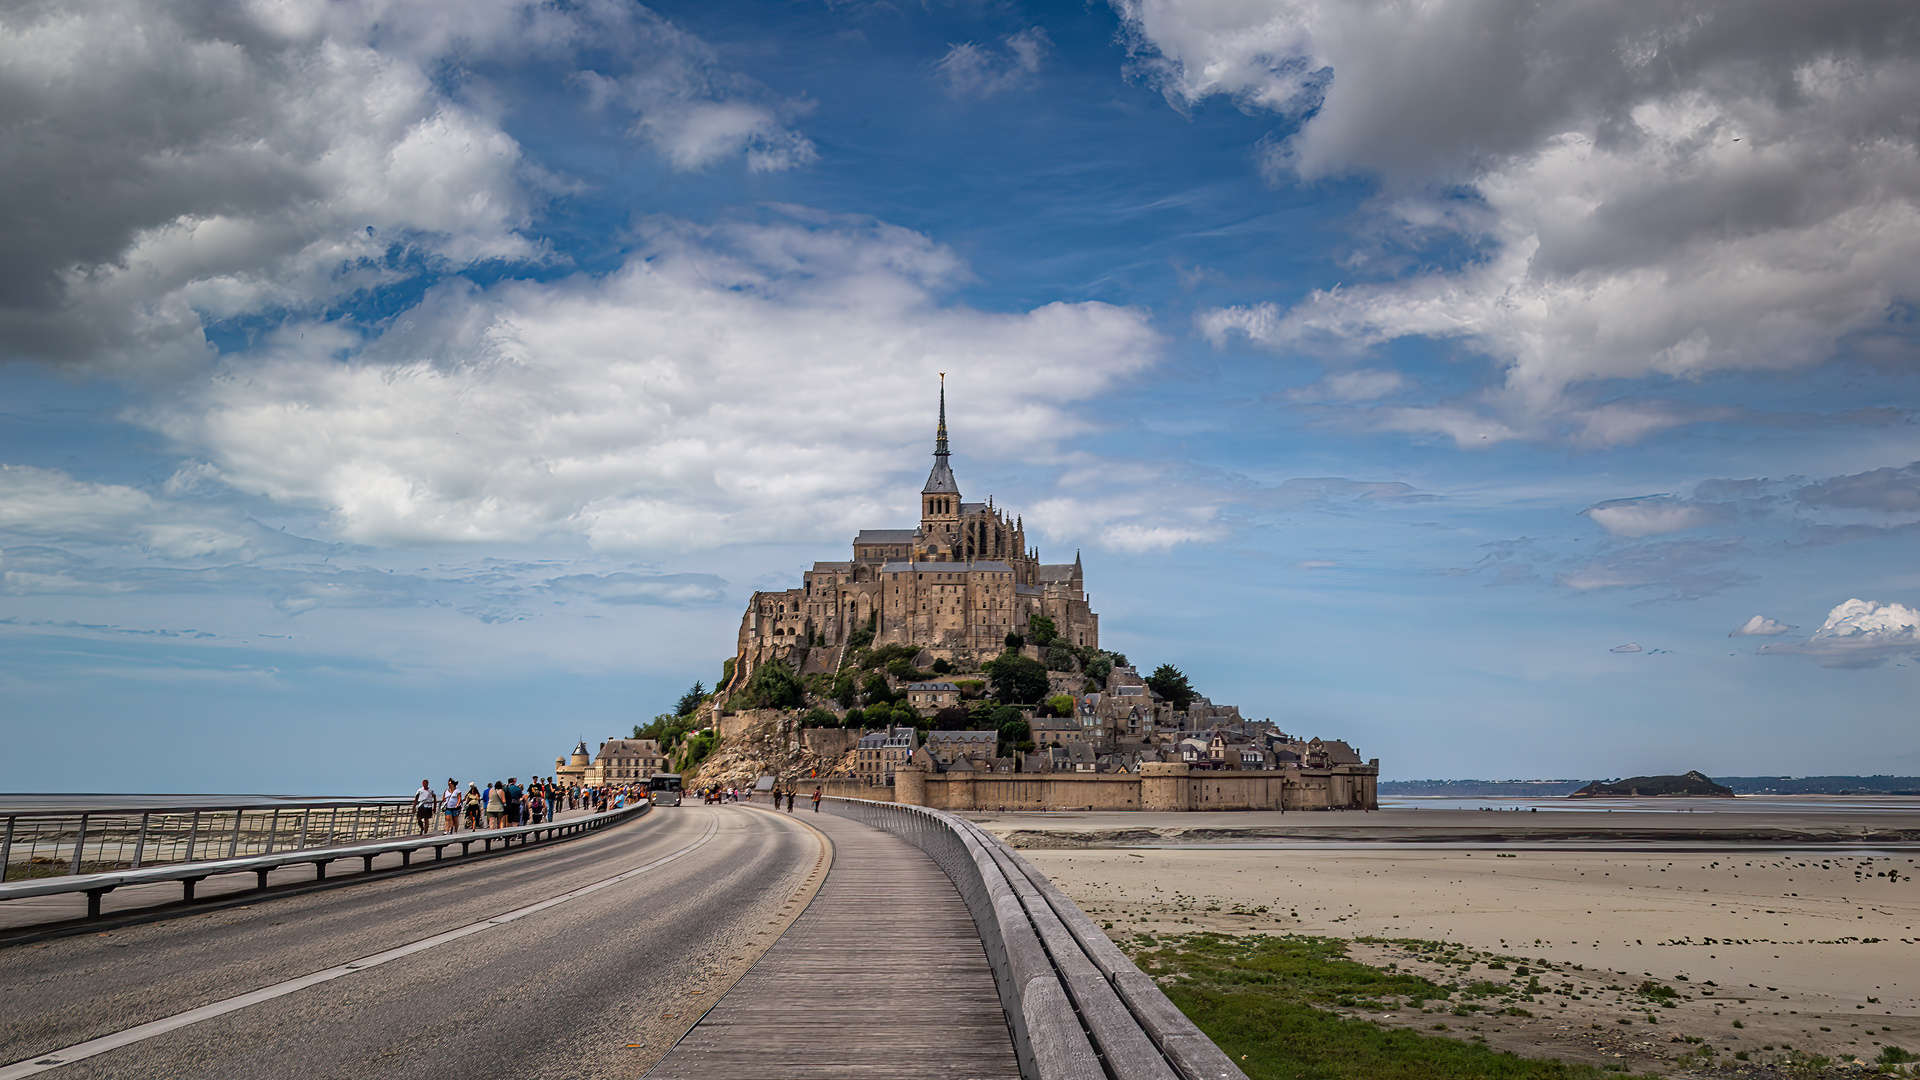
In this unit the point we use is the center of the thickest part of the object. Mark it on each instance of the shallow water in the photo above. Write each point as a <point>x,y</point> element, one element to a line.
<point>1739,804</point>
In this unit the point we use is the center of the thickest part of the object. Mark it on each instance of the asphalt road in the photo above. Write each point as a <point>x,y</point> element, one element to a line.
<point>599,985</point>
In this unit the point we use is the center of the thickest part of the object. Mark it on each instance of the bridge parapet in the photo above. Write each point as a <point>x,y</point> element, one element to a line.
<point>1077,1007</point>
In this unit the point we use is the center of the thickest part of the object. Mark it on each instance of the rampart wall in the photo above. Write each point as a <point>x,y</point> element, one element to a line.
<point>1157,787</point>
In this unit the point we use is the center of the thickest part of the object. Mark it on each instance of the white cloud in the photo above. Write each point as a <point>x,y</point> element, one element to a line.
<point>737,383</point>
<point>672,590</point>
<point>1629,647</point>
<point>1860,633</point>
<point>1654,515</point>
<point>1365,384</point>
<point>204,160</point>
<point>971,70</point>
<point>1759,626</point>
<point>1659,192</point>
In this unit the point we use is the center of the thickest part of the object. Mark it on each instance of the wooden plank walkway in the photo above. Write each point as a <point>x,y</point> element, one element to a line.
<point>883,976</point>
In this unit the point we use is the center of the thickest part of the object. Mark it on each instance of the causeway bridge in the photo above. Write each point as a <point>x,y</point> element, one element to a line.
<point>870,940</point>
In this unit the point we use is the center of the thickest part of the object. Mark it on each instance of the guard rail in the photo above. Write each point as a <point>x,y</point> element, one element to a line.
<point>98,885</point>
<point>49,835</point>
<point>1078,1009</point>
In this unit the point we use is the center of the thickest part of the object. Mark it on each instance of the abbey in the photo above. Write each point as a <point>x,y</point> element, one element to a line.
<point>955,586</point>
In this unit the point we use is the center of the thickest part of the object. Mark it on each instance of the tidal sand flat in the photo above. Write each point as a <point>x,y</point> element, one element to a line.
<point>1774,930</point>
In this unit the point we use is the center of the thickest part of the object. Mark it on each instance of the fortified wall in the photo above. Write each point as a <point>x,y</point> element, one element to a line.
<point>1157,786</point>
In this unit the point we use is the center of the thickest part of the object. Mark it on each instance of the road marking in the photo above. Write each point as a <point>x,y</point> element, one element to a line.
<point>40,1063</point>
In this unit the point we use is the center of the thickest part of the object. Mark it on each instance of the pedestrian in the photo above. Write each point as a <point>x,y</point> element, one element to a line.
<point>474,803</point>
<point>450,807</point>
<point>497,806</point>
<point>424,804</point>
<point>514,794</point>
<point>538,804</point>
<point>792,794</point>
<point>816,799</point>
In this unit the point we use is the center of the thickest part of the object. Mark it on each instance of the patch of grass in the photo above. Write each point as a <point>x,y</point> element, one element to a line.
<point>1259,998</point>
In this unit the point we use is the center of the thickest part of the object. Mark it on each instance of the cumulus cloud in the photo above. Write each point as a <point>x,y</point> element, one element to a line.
<point>1652,192</point>
<point>51,504</point>
<point>1759,626</point>
<point>179,164</point>
<point>746,382</point>
<point>1654,515</point>
<point>1859,634</point>
<point>971,70</point>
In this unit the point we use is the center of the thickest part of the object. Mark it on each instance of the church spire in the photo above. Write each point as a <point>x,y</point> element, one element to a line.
<point>940,481</point>
<point>940,433</point>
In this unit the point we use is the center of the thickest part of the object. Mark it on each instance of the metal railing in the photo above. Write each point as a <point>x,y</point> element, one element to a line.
<point>97,884</point>
<point>67,841</point>
<point>1078,1009</point>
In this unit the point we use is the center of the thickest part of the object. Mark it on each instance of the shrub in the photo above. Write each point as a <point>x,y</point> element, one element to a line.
<point>1014,641</point>
<point>941,667</point>
<point>773,685</point>
<point>818,717</point>
<point>951,718</point>
<point>1062,704</point>
<point>877,689</point>
<point>1060,658</point>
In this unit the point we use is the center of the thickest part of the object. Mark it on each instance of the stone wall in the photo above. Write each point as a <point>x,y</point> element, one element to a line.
<point>831,742</point>
<point>1166,787</point>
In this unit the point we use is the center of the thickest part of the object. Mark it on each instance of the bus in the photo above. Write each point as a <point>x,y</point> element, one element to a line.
<point>664,789</point>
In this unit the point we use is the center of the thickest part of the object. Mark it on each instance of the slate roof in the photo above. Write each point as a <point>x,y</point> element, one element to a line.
<point>935,687</point>
<point>962,737</point>
<point>831,567</point>
<point>1056,572</point>
<point>973,508</point>
<point>885,536</point>
<point>940,481</point>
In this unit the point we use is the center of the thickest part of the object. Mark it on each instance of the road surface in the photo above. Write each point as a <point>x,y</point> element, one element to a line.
<point>643,926</point>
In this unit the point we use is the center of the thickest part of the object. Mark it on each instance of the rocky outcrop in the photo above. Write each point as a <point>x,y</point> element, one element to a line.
<point>1694,784</point>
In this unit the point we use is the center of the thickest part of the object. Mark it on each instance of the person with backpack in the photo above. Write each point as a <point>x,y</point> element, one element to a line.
<point>816,799</point>
<point>514,793</point>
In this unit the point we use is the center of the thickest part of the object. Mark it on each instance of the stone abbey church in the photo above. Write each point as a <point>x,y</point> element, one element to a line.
<point>955,586</point>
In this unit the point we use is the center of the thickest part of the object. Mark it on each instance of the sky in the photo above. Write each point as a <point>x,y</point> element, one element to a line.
<point>393,390</point>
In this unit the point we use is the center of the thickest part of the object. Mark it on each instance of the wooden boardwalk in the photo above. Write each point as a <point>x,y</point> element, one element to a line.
<point>883,976</point>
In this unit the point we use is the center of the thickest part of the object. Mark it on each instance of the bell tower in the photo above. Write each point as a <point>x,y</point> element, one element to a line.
<point>940,499</point>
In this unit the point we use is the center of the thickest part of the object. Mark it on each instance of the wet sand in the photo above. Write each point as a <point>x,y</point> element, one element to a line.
<point>1809,947</point>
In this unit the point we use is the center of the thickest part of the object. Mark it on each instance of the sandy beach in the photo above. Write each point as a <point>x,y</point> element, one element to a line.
<point>1807,943</point>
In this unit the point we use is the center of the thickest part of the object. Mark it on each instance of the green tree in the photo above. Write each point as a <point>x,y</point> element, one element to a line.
<point>1170,683</point>
<point>1060,658</point>
<point>1014,641</point>
<point>863,637</point>
<point>855,718</point>
<point>690,700</point>
<point>1062,704</point>
<point>902,668</point>
<point>818,717</point>
<point>1041,630</point>
<point>1098,666</point>
<point>951,718</point>
<point>877,689</point>
<point>1012,734</point>
<point>941,667</point>
<point>1017,679</point>
<point>773,685</point>
<point>845,691</point>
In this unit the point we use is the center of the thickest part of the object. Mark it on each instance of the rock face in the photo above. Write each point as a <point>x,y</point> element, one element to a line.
<point>1690,784</point>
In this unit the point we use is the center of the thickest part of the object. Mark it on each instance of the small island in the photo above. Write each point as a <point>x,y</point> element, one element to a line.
<point>1691,785</point>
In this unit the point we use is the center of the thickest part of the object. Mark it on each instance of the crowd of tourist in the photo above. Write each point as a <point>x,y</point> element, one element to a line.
<point>508,803</point>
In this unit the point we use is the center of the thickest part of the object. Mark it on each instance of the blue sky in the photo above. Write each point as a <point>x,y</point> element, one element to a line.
<point>401,390</point>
